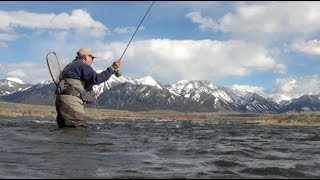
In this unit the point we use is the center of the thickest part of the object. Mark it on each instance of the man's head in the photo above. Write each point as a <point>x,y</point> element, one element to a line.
<point>86,54</point>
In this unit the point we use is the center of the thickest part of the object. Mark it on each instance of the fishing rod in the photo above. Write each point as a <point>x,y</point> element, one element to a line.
<point>117,72</point>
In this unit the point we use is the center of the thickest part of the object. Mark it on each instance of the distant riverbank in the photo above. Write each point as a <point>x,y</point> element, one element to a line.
<point>28,110</point>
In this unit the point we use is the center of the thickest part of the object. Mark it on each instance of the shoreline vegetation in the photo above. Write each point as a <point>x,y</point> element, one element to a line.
<point>41,111</point>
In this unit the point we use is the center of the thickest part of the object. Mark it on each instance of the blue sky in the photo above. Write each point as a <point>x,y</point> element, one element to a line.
<point>269,45</point>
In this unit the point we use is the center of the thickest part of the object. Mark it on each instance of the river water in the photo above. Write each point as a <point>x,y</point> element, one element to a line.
<point>36,148</point>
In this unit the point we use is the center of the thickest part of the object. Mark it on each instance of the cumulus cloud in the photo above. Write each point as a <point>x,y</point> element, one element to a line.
<point>79,20</point>
<point>26,71</point>
<point>16,73</point>
<point>171,60</point>
<point>204,22</point>
<point>265,17</point>
<point>311,47</point>
<point>192,59</point>
<point>296,87</point>
<point>240,88</point>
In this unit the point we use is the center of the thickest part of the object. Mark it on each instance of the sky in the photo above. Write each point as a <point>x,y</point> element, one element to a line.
<point>270,46</point>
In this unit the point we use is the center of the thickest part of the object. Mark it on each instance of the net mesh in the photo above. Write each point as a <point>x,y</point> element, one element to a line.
<point>54,66</point>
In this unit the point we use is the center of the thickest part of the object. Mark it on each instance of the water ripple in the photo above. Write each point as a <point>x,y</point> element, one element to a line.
<point>35,148</point>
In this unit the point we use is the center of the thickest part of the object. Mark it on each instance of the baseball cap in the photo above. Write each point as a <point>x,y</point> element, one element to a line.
<point>86,51</point>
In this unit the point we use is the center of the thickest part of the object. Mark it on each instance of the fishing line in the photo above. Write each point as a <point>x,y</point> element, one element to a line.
<point>136,29</point>
<point>117,73</point>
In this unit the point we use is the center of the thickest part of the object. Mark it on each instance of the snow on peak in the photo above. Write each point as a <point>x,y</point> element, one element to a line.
<point>194,89</point>
<point>148,81</point>
<point>280,97</point>
<point>245,89</point>
<point>15,79</point>
<point>183,82</point>
<point>191,85</point>
<point>46,82</point>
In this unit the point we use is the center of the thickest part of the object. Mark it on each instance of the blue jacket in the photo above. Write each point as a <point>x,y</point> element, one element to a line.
<point>77,69</point>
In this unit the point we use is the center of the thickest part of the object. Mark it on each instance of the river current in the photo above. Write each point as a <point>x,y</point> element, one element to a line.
<point>36,148</point>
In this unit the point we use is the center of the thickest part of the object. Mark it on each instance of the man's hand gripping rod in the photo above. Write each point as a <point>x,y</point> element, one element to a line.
<point>117,72</point>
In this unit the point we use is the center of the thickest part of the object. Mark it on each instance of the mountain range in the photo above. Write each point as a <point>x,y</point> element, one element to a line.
<point>126,93</point>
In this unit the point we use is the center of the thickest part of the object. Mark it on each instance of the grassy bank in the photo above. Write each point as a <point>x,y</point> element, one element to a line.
<point>20,110</point>
<point>305,118</point>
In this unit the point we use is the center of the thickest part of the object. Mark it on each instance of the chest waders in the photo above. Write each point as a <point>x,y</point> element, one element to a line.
<point>69,86</point>
<point>70,98</point>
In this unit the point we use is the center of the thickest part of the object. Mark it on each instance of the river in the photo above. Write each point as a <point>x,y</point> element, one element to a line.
<point>36,148</point>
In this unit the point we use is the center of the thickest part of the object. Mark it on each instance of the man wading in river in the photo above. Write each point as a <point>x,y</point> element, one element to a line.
<point>75,88</point>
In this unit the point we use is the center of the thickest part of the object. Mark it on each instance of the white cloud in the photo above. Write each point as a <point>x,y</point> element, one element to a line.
<point>246,88</point>
<point>26,71</point>
<point>169,60</point>
<point>79,20</point>
<point>6,37</point>
<point>16,73</point>
<point>266,17</point>
<point>296,87</point>
<point>190,59</point>
<point>204,22</point>
<point>286,85</point>
<point>311,47</point>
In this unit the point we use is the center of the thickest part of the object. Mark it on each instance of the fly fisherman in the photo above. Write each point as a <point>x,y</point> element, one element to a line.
<point>75,88</point>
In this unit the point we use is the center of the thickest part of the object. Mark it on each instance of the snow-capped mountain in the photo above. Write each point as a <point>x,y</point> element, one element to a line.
<point>12,84</point>
<point>192,89</point>
<point>129,96</point>
<point>237,98</point>
<point>15,79</point>
<point>113,80</point>
<point>244,90</point>
<point>255,103</point>
<point>214,98</point>
<point>46,82</point>
<point>147,94</point>
<point>42,94</point>
<point>303,103</point>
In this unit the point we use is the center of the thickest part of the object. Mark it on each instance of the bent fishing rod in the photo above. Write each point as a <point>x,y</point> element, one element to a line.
<point>117,72</point>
